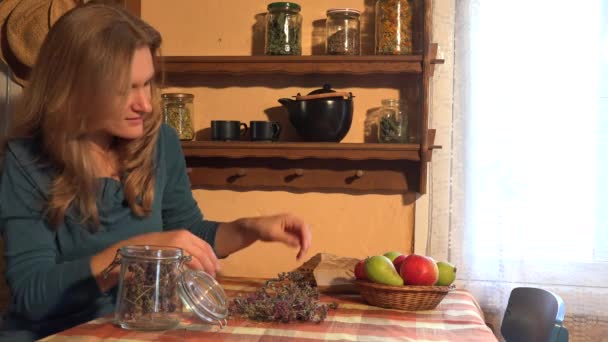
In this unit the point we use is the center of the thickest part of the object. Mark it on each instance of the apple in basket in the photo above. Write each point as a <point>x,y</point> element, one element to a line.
<point>419,270</point>
<point>360,270</point>
<point>398,261</point>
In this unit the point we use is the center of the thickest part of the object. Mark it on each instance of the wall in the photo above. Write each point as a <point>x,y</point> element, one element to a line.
<point>344,224</point>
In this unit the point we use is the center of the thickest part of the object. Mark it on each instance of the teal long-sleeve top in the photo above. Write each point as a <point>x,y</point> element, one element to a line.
<point>48,270</point>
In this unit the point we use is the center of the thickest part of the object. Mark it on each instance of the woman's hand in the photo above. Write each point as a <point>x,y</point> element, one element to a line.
<point>203,257</point>
<point>286,228</point>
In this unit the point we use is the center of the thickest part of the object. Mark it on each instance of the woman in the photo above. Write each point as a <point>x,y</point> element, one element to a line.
<point>90,168</point>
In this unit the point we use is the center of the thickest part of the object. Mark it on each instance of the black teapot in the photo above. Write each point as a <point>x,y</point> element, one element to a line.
<point>322,115</point>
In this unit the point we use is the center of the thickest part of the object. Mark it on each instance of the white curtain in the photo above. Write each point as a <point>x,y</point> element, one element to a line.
<point>524,201</point>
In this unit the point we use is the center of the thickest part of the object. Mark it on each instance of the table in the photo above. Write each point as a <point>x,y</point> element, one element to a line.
<point>457,318</point>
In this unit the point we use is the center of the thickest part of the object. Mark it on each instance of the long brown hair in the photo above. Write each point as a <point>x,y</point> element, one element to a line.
<point>82,66</point>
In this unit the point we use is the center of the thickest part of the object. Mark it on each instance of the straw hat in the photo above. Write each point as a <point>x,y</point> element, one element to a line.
<point>25,24</point>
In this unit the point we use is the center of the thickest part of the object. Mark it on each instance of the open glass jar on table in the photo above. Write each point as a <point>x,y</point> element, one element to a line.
<point>155,287</point>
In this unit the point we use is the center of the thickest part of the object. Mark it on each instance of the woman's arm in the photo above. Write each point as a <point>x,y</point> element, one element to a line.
<point>180,210</point>
<point>202,254</point>
<point>285,228</point>
<point>40,286</point>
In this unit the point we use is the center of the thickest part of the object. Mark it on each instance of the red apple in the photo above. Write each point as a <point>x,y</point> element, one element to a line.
<point>398,260</point>
<point>360,270</point>
<point>419,270</point>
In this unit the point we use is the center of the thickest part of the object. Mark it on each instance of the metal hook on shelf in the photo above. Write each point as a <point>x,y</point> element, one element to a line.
<point>239,173</point>
<point>297,174</point>
<point>357,175</point>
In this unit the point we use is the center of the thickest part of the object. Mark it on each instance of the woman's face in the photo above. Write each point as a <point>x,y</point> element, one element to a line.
<point>129,122</point>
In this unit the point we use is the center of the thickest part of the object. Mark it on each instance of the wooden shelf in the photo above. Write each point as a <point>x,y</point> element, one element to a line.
<point>293,65</point>
<point>297,150</point>
<point>322,167</point>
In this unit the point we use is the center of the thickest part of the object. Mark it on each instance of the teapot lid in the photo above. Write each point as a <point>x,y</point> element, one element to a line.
<point>326,89</point>
<point>324,93</point>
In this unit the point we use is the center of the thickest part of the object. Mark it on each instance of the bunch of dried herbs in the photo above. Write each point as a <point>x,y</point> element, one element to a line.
<point>150,287</point>
<point>289,297</point>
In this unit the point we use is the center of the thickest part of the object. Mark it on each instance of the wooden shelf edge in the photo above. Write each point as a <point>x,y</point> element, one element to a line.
<point>291,64</point>
<point>294,151</point>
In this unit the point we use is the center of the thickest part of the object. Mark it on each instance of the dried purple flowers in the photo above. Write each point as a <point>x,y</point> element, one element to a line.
<point>150,288</point>
<point>290,297</point>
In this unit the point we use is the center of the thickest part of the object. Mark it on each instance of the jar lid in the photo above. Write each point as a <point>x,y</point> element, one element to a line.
<point>393,102</point>
<point>284,5</point>
<point>343,10</point>
<point>151,252</point>
<point>204,296</point>
<point>177,96</point>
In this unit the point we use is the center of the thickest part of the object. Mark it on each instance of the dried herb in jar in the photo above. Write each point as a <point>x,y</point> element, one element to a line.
<point>391,130</point>
<point>341,43</point>
<point>150,288</point>
<point>283,29</point>
<point>177,113</point>
<point>289,297</point>
<point>394,27</point>
<point>179,117</point>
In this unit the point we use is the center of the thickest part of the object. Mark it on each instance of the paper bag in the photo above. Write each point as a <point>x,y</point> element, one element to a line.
<point>331,273</point>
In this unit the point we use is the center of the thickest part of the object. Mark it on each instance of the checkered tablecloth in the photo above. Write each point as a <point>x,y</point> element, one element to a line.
<point>457,318</point>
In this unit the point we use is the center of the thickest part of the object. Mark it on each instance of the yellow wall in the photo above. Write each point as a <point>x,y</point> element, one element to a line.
<point>343,224</point>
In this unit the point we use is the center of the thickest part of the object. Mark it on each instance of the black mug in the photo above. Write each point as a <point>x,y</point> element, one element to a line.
<point>264,130</point>
<point>227,130</point>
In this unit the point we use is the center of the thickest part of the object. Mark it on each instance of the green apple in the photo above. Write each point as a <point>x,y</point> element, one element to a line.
<point>392,255</point>
<point>380,269</point>
<point>447,274</point>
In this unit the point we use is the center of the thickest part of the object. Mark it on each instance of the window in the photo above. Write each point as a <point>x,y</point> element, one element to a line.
<point>536,143</point>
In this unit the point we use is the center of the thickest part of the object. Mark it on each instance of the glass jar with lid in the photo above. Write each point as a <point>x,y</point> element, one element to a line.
<point>343,30</point>
<point>283,29</point>
<point>394,27</point>
<point>177,112</point>
<point>154,286</point>
<point>393,122</point>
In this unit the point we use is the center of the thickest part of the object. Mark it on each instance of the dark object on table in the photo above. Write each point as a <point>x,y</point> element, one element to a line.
<point>322,115</point>
<point>534,314</point>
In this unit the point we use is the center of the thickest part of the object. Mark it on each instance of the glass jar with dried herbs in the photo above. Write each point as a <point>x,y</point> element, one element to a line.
<point>177,113</point>
<point>283,29</point>
<point>394,27</point>
<point>343,32</point>
<point>392,122</point>
<point>154,287</point>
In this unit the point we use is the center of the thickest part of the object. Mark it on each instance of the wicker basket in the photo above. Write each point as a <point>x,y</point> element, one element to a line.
<point>407,297</point>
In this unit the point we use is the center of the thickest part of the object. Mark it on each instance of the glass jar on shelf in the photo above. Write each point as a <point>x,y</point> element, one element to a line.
<point>394,27</point>
<point>177,112</point>
<point>343,30</point>
<point>154,287</point>
<point>393,122</point>
<point>283,29</point>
